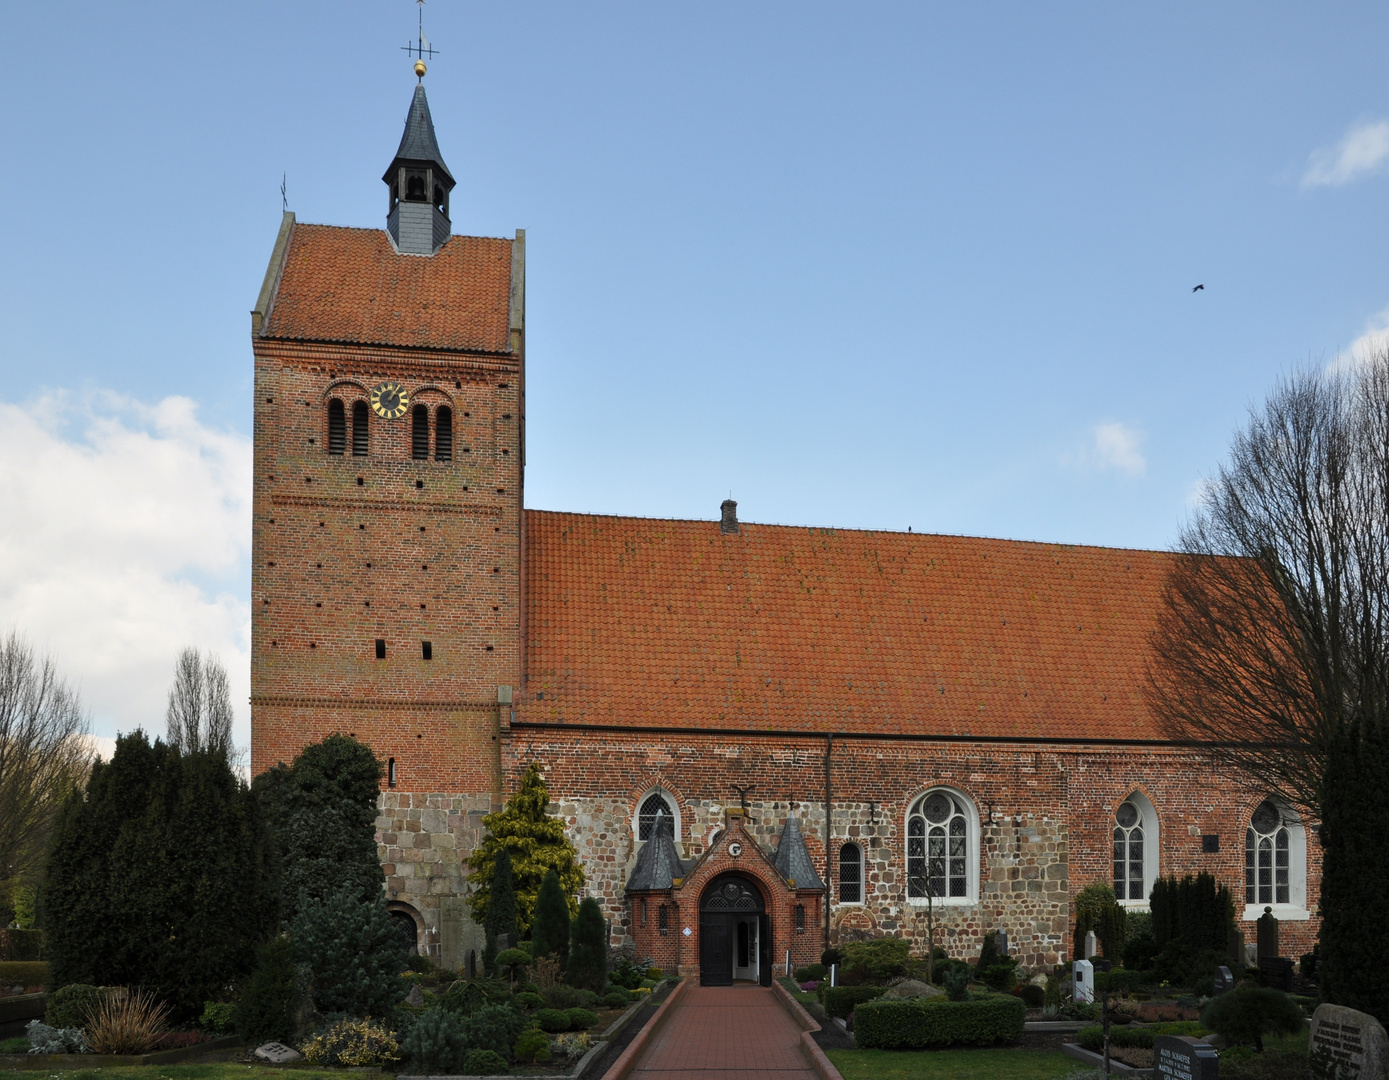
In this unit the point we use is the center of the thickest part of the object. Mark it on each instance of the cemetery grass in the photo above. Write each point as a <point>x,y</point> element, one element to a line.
<point>990,1063</point>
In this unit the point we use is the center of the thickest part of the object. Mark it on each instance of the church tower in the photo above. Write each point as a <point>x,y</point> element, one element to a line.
<point>387,540</point>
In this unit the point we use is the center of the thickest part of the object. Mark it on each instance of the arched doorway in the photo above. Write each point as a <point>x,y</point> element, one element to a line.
<point>403,919</point>
<point>735,933</point>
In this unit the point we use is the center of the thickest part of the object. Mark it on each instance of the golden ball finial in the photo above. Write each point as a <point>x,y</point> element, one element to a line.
<point>420,69</point>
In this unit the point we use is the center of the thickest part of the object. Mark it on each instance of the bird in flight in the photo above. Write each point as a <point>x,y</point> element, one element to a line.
<point>1198,288</point>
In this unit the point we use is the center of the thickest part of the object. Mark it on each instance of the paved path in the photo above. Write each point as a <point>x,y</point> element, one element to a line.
<point>719,1032</point>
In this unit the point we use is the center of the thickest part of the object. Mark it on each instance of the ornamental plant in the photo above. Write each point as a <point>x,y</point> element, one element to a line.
<point>354,951</point>
<point>501,909</point>
<point>1097,909</point>
<point>588,949</point>
<point>437,1042</point>
<point>352,1042</point>
<point>537,844</point>
<point>550,927</point>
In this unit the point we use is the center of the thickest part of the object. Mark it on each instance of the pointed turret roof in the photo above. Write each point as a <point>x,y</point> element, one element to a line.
<point>418,143</point>
<point>792,858</point>
<point>658,864</point>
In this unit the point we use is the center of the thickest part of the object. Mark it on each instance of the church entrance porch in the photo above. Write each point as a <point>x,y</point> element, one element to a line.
<point>735,933</point>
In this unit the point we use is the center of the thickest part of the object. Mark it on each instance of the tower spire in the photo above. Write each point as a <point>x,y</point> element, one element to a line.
<point>418,179</point>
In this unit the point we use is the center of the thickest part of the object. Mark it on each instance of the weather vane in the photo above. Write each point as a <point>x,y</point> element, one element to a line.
<point>422,48</point>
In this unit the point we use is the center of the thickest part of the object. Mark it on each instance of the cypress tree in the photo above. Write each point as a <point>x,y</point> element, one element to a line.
<point>322,810</point>
<point>1355,820</point>
<point>550,930</point>
<point>588,951</point>
<point>536,843</point>
<point>158,876</point>
<point>501,908</point>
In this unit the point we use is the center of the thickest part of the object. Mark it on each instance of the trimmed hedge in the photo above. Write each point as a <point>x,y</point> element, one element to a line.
<point>24,973</point>
<point>20,944</point>
<point>1121,980</point>
<point>842,1000</point>
<point>1138,1038</point>
<point>917,1023</point>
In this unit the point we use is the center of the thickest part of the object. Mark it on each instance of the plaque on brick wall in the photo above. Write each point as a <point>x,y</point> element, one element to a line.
<point>1347,1045</point>
<point>1176,1057</point>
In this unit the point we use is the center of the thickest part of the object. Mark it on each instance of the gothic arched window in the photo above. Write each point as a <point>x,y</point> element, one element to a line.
<point>443,433</point>
<point>419,433</point>
<point>1267,857</point>
<point>337,427</point>
<point>1128,852</point>
<point>942,846</point>
<point>850,874</point>
<point>654,803</point>
<point>359,429</point>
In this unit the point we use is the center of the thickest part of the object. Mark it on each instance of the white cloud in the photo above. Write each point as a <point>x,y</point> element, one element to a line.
<point>1116,447</point>
<point>1362,150</point>
<point>124,542</point>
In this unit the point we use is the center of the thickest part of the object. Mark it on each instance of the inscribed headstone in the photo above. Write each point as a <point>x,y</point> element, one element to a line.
<point>1348,1045</point>
<point>1083,981</point>
<point>1001,942</point>
<point>278,1053</point>
<point>1267,935</point>
<point>1224,981</point>
<point>1176,1057</point>
<point>1092,946</point>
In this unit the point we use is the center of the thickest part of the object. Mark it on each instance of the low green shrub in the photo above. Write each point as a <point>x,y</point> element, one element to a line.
<point>655,973</point>
<point>1033,996</point>
<point>527,1000</point>
<point>25,973</point>
<point>842,1000</point>
<point>18,1045</point>
<point>495,1027</point>
<point>917,1023</point>
<point>532,1046</point>
<point>561,996</point>
<point>810,973</point>
<point>580,1019</point>
<point>1139,1038</point>
<point>874,962</point>
<point>957,982</point>
<point>486,1063</point>
<point>264,1008</point>
<point>216,1018</point>
<point>355,951</point>
<point>617,998</point>
<point>1000,977</point>
<point>585,999</point>
<point>625,974</point>
<point>1139,950</point>
<point>1120,980</point>
<point>941,969</point>
<point>510,960</point>
<point>436,1043</point>
<point>352,1042</point>
<point>1248,1013</point>
<point>465,998</point>
<point>72,1005</point>
<point>552,1020</point>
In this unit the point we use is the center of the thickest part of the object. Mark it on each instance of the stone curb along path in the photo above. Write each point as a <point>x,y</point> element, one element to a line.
<point>809,1025</point>
<point>623,1065</point>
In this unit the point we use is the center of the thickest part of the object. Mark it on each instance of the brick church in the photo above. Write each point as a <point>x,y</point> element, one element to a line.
<point>763,739</point>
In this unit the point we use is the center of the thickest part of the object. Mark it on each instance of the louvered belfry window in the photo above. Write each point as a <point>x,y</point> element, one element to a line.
<point>419,433</point>
<point>443,433</point>
<point>337,428</point>
<point>359,429</point>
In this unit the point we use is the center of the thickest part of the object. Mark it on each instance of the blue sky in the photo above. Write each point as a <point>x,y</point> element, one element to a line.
<point>859,265</point>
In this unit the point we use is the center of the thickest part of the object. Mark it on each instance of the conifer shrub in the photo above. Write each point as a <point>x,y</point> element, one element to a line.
<point>264,1009</point>
<point>217,1017</point>
<point>588,949</point>
<point>585,999</point>
<point>1000,977</point>
<point>532,1045</point>
<point>874,962</point>
<point>489,1062</point>
<point>436,1043</point>
<point>581,1019</point>
<point>810,973</point>
<point>529,1000</point>
<point>500,912</point>
<point>550,928</point>
<point>510,961</point>
<point>625,974</point>
<point>956,983</point>
<point>71,1006</point>
<point>466,997</point>
<point>988,955</point>
<point>354,951</point>
<point>918,1023</point>
<point>552,1020</point>
<point>617,998</point>
<point>1248,1013</point>
<point>496,1028</point>
<point>842,1000</point>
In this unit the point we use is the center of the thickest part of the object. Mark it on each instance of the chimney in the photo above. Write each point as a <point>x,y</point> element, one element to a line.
<point>729,522</point>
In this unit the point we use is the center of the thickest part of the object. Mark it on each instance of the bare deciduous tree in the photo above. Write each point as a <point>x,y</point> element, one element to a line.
<point>43,753</point>
<point>199,715</point>
<point>1274,633</point>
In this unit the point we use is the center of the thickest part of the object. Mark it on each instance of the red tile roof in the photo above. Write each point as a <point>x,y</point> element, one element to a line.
<point>635,621</point>
<point>350,285</point>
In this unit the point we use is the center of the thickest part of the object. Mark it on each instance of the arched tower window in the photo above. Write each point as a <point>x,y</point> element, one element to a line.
<point>850,874</point>
<point>1135,849</point>
<point>359,429</point>
<point>942,848</point>
<point>337,428</point>
<point>419,433</point>
<point>653,803</point>
<point>443,433</point>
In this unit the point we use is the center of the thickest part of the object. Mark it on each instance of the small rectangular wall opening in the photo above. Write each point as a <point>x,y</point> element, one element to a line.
<point>427,650</point>
<point>390,773</point>
<point>380,648</point>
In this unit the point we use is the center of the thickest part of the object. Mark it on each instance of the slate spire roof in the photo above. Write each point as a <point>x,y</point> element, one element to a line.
<point>418,143</point>
<point>792,858</point>
<point>658,864</point>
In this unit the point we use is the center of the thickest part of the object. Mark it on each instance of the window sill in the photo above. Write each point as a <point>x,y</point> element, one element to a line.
<point>1282,912</point>
<point>1134,905</point>
<point>942,901</point>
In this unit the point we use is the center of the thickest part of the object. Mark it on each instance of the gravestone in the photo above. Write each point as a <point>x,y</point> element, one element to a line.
<point>1001,942</point>
<point>278,1053</point>
<point>1224,981</point>
<point>505,941</point>
<point>1277,972</point>
<point>1347,1045</point>
<point>1177,1057</point>
<point>1101,964</point>
<point>1092,946</point>
<point>1267,935</point>
<point>1083,981</point>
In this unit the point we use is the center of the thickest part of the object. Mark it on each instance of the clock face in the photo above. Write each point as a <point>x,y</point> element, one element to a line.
<point>390,400</point>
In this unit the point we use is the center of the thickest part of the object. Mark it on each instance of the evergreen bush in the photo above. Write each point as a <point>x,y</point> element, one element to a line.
<point>71,1006</point>
<point>585,999</point>
<point>529,1000</point>
<point>1000,977</point>
<point>552,1020</point>
<point>1196,910</point>
<point>489,1062</point>
<point>626,974</point>
<point>580,1019</point>
<point>264,1009</point>
<point>352,1042</point>
<point>501,909</point>
<point>354,951</point>
<point>532,1045</point>
<point>322,811</point>
<point>466,997</point>
<point>550,927</point>
<point>1033,996</point>
<point>159,875</point>
<point>842,1000</point>
<point>217,1017</point>
<point>509,961</point>
<point>588,949</point>
<point>1139,1038</point>
<point>436,1043</point>
<point>810,973</point>
<point>956,983</point>
<point>918,1023</point>
<point>617,998</point>
<point>1248,1013</point>
<point>537,844</point>
<point>1097,909</point>
<point>874,962</point>
<point>988,955</point>
<point>496,1028</point>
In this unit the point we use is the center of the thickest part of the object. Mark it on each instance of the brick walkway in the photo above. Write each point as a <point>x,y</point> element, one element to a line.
<point>719,1032</point>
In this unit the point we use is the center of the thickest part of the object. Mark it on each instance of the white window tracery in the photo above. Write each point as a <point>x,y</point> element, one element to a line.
<point>942,848</point>
<point>654,802</point>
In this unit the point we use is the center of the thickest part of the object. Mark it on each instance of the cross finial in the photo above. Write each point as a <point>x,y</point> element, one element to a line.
<point>422,48</point>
